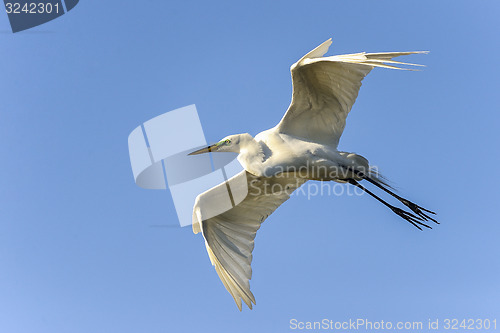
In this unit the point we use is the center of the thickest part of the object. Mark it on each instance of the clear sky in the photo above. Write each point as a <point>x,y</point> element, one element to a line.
<point>79,250</point>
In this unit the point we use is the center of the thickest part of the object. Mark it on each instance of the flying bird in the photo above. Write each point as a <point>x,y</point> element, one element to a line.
<point>301,147</point>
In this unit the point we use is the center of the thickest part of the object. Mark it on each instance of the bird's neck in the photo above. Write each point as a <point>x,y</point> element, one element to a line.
<point>251,157</point>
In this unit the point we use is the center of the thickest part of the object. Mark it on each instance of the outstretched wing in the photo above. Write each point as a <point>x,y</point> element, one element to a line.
<point>229,235</point>
<point>325,88</point>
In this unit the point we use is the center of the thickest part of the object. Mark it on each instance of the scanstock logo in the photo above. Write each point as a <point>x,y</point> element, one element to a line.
<point>26,14</point>
<point>158,151</point>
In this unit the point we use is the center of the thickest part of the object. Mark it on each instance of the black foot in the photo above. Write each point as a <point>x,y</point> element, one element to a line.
<point>415,220</point>
<point>419,210</point>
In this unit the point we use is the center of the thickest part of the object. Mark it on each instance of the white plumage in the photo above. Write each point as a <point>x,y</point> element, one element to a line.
<point>302,147</point>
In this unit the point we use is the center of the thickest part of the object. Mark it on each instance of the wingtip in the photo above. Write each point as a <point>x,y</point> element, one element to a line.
<point>319,50</point>
<point>329,42</point>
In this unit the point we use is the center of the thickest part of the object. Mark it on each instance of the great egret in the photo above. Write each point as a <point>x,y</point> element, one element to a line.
<point>303,146</point>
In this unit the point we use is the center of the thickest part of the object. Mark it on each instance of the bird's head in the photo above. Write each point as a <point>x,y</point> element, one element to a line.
<point>231,143</point>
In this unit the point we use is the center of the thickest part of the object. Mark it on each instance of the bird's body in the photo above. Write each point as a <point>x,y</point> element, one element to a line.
<point>301,147</point>
<point>271,153</point>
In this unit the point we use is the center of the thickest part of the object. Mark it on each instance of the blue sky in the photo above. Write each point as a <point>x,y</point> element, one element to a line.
<point>78,252</point>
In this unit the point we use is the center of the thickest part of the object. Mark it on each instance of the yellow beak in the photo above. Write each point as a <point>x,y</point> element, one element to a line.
<point>203,150</point>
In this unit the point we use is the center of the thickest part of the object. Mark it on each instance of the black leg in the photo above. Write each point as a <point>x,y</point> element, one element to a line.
<point>414,220</point>
<point>414,207</point>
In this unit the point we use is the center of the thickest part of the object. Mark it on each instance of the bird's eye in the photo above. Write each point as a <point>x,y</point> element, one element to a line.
<point>227,141</point>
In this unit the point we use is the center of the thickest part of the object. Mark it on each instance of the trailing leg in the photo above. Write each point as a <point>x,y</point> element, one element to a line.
<point>414,207</point>
<point>414,220</point>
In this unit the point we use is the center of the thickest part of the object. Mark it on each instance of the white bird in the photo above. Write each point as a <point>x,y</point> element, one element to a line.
<point>302,147</point>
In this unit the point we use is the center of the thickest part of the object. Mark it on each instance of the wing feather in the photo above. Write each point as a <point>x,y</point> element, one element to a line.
<point>325,89</point>
<point>229,236</point>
